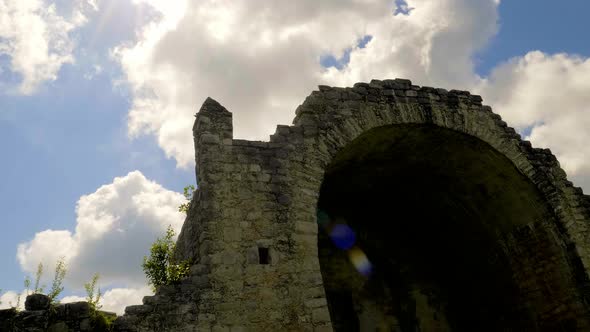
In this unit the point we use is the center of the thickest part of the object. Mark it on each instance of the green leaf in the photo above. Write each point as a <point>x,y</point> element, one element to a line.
<point>159,267</point>
<point>188,194</point>
<point>93,294</point>
<point>38,278</point>
<point>57,285</point>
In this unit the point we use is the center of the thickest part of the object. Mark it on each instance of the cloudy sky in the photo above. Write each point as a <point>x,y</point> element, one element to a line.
<point>97,99</point>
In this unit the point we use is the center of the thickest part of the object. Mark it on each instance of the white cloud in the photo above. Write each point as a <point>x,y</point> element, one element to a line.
<point>43,249</point>
<point>549,93</point>
<point>10,299</point>
<point>115,228</point>
<point>72,298</point>
<point>432,45</point>
<point>96,70</point>
<point>37,39</point>
<point>260,60</point>
<point>116,299</point>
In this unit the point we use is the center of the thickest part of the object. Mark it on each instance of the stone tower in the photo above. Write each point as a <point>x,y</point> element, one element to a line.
<point>384,204</point>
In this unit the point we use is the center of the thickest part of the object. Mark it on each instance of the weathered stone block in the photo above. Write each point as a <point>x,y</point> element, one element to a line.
<point>7,314</point>
<point>85,325</point>
<point>323,328</point>
<point>138,309</point>
<point>7,319</point>
<point>58,327</point>
<point>206,318</point>
<point>232,234</point>
<point>220,328</point>
<point>306,227</point>
<point>77,310</point>
<point>33,320</point>
<point>316,303</point>
<point>320,315</point>
<point>125,323</point>
<point>150,300</point>
<point>59,311</point>
<point>207,138</point>
<point>199,269</point>
<point>37,302</point>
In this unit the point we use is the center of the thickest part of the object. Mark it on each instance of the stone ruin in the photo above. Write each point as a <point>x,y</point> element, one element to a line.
<point>385,207</point>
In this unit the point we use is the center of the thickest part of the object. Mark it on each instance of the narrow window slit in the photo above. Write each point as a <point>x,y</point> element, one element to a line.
<point>263,256</point>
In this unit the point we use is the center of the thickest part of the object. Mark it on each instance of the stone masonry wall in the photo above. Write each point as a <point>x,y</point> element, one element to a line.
<point>251,229</point>
<point>40,316</point>
<point>259,197</point>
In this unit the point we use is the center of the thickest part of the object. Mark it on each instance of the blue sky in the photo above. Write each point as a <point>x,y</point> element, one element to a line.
<point>70,136</point>
<point>549,26</point>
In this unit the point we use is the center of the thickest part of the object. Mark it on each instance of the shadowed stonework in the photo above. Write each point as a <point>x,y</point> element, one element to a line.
<point>384,207</point>
<point>444,220</point>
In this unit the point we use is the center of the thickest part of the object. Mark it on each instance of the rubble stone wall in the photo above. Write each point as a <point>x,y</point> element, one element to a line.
<point>260,198</point>
<point>40,316</point>
<point>252,232</point>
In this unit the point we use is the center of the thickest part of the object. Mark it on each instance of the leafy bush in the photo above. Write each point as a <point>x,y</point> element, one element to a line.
<point>102,322</point>
<point>160,267</point>
<point>188,194</point>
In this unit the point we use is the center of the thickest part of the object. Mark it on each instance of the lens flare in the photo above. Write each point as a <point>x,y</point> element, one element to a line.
<point>360,261</point>
<point>342,236</point>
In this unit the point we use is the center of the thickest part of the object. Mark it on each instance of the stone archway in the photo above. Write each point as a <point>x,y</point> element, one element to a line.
<point>451,232</point>
<point>525,272</point>
<point>510,244</point>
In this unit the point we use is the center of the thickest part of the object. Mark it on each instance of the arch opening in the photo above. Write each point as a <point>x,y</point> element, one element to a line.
<point>425,228</point>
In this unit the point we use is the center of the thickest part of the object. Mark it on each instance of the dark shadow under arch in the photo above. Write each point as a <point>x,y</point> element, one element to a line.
<point>457,237</point>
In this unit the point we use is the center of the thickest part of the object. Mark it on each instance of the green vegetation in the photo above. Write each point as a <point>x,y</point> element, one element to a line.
<point>57,285</point>
<point>100,320</point>
<point>160,267</point>
<point>17,303</point>
<point>37,289</point>
<point>27,284</point>
<point>93,293</point>
<point>188,194</point>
